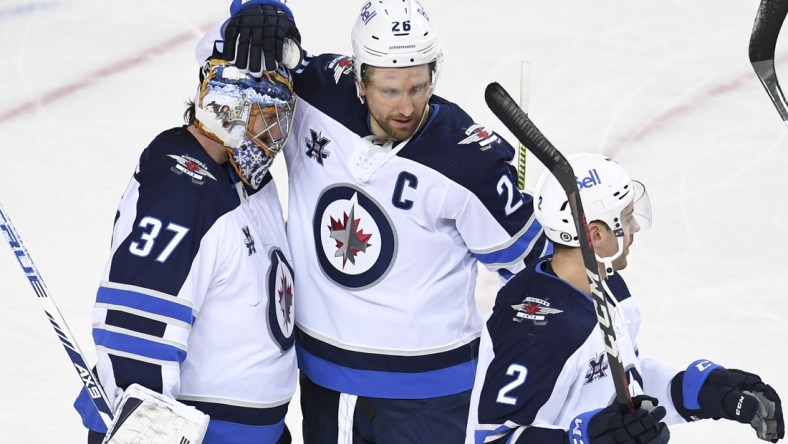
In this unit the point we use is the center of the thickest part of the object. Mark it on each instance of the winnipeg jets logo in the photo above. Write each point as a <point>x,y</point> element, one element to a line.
<point>351,240</point>
<point>597,368</point>
<point>248,240</point>
<point>341,65</point>
<point>286,300</point>
<point>280,300</point>
<point>480,134</point>
<point>192,167</point>
<point>355,241</point>
<point>316,147</point>
<point>533,309</point>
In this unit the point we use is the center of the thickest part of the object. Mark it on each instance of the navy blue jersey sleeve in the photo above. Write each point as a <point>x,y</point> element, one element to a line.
<point>498,223</point>
<point>161,262</point>
<point>326,82</point>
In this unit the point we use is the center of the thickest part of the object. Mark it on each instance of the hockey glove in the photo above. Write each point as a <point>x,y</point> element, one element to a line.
<point>611,426</point>
<point>259,36</point>
<point>708,390</point>
<point>144,416</point>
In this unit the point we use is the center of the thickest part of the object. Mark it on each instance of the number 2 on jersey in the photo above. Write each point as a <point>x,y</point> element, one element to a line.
<point>151,230</point>
<point>521,372</point>
<point>513,198</point>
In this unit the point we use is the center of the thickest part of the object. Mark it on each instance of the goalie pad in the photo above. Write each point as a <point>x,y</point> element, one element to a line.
<point>146,417</point>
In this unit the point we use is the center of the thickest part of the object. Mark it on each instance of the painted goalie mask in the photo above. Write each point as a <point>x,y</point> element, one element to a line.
<point>251,117</point>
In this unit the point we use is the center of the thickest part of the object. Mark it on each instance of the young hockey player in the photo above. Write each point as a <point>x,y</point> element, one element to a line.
<point>543,375</point>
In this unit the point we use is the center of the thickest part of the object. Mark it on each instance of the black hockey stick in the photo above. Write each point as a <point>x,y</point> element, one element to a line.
<point>765,30</point>
<point>506,109</point>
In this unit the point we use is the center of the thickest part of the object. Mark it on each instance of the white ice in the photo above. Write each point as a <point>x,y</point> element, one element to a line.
<point>665,87</point>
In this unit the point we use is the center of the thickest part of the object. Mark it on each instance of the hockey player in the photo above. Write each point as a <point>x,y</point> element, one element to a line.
<point>395,196</point>
<point>195,309</point>
<point>543,373</point>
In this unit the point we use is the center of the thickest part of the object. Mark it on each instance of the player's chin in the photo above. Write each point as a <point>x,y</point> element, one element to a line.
<point>401,132</point>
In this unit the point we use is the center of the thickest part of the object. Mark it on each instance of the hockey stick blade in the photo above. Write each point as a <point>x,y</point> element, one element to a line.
<point>763,40</point>
<point>91,384</point>
<point>506,109</point>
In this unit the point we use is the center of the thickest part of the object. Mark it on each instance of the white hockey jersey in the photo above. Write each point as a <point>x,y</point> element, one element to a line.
<point>386,239</point>
<point>196,301</point>
<point>543,361</point>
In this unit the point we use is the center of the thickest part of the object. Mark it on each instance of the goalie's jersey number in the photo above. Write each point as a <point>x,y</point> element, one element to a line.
<point>355,240</point>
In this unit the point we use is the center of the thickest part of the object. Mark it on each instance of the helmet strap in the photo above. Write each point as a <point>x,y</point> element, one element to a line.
<point>608,261</point>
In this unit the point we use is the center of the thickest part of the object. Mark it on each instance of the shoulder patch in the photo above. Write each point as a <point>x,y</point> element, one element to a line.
<point>341,65</point>
<point>533,309</point>
<point>197,170</point>
<point>481,135</point>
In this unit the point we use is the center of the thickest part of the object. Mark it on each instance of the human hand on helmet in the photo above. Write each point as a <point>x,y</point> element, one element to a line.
<point>260,35</point>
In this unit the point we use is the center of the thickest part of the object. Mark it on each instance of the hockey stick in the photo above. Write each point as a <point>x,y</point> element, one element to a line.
<point>506,109</point>
<point>522,152</point>
<point>765,30</point>
<point>92,386</point>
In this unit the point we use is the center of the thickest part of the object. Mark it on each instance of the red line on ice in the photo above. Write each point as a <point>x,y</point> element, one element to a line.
<point>671,115</point>
<point>91,79</point>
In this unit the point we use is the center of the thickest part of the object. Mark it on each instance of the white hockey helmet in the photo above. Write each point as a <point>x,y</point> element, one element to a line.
<point>227,104</point>
<point>605,190</point>
<point>394,34</point>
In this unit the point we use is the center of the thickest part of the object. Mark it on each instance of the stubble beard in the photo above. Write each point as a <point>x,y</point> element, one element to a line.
<point>399,134</point>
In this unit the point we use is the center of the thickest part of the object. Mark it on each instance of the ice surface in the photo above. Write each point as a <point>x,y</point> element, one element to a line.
<point>664,87</point>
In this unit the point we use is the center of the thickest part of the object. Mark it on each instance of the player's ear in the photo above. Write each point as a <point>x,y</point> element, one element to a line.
<point>597,231</point>
<point>362,89</point>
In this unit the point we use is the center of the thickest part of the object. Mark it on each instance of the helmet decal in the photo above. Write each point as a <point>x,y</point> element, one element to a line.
<point>251,117</point>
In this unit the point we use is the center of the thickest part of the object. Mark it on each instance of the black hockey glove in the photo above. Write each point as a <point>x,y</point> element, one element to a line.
<point>707,390</point>
<point>611,426</point>
<point>258,37</point>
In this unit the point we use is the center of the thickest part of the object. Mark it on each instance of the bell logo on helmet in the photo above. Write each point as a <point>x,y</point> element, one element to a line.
<point>366,14</point>
<point>591,180</point>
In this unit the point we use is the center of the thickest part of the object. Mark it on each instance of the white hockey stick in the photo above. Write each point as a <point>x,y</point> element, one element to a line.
<point>92,386</point>
<point>525,85</point>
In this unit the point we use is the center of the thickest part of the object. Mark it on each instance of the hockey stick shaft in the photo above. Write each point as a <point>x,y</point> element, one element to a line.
<point>763,40</point>
<point>506,109</point>
<point>525,94</point>
<point>56,319</point>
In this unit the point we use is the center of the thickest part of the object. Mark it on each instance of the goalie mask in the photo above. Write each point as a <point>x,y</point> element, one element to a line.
<point>251,117</point>
<point>605,190</point>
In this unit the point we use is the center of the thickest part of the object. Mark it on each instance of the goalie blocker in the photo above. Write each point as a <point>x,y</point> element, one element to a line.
<point>146,417</point>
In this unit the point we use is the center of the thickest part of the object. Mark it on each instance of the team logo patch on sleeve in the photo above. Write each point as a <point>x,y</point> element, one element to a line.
<point>534,309</point>
<point>355,240</point>
<point>597,368</point>
<point>191,167</point>
<point>481,135</point>
<point>341,65</point>
<point>280,300</point>
<point>316,146</point>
